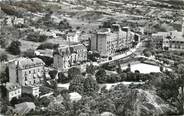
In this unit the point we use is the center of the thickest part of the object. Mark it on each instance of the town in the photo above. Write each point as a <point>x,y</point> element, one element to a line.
<point>91,58</point>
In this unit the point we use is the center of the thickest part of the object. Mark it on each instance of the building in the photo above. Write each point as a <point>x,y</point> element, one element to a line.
<point>26,71</point>
<point>173,40</point>
<point>22,109</point>
<point>33,90</point>
<point>11,90</point>
<point>73,36</point>
<point>67,56</point>
<point>157,40</point>
<point>108,40</point>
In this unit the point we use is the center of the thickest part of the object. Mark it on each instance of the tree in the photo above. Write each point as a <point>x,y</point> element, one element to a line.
<point>44,101</point>
<point>62,78</point>
<point>180,71</point>
<point>90,86</point>
<point>101,76</point>
<point>53,74</point>
<point>14,101</point>
<point>14,48</point>
<point>74,71</point>
<point>30,53</point>
<point>147,53</point>
<point>64,25</point>
<point>4,74</point>
<point>3,57</point>
<point>76,85</point>
<point>93,56</point>
<point>90,69</point>
<point>169,90</point>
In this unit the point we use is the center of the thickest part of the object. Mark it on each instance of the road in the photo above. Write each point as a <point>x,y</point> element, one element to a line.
<point>129,53</point>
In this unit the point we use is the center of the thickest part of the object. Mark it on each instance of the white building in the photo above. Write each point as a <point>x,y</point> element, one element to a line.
<point>28,72</point>
<point>107,41</point>
<point>172,40</point>
<point>66,56</point>
<point>73,36</point>
<point>12,90</point>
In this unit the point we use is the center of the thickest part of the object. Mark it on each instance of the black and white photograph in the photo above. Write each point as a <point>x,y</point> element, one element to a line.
<point>91,57</point>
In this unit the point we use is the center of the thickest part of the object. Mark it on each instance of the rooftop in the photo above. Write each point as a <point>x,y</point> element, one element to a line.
<point>24,63</point>
<point>174,35</point>
<point>12,86</point>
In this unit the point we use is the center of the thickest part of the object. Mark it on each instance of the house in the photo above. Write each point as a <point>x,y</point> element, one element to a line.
<point>108,40</point>
<point>172,41</point>
<point>11,90</point>
<point>24,108</point>
<point>66,56</point>
<point>73,36</point>
<point>33,90</point>
<point>26,71</point>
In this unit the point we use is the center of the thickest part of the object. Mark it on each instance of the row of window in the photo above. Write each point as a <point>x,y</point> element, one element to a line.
<point>15,92</point>
<point>30,82</point>
<point>33,71</point>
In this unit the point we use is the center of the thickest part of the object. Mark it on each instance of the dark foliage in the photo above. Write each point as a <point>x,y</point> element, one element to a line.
<point>14,48</point>
<point>47,46</point>
<point>62,78</point>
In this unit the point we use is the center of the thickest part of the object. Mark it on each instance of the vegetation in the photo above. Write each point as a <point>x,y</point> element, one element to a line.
<point>47,46</point>
<point>76,85</point>
<point>3,57</point>
<point>35,37</point>
<point>14,48</point>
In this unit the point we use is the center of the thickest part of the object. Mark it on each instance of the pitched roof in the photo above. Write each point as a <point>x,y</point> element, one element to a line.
<point>173,35</point>
<point>12,86</point>
<point>66,50</point>
<point>24,108</point>
<point>24,63</point>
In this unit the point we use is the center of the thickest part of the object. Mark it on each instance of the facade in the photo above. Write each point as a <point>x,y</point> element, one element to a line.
<point>109,40</point>
<point>26,71</point>
<point>157,40</point>
<point>173,40</point>
<point>33,90</point>
<point>12,90</point>
<point>73,36</point>
<point>67,56</point>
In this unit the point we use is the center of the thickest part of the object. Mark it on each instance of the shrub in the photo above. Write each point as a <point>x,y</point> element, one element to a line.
<point>11,10</point>
<point>14,48</point>
<point>47,46</point>
<point>76,84</point>
<point>3,57</point>
<point>62,78</point>
<point>74,71</point>
<point>35,37</point>
<point>101,76</point>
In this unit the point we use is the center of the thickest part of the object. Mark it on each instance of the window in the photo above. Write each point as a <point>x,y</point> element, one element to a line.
<point>25,73</point>
<point>30,72</point>
<point>25,78</point>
